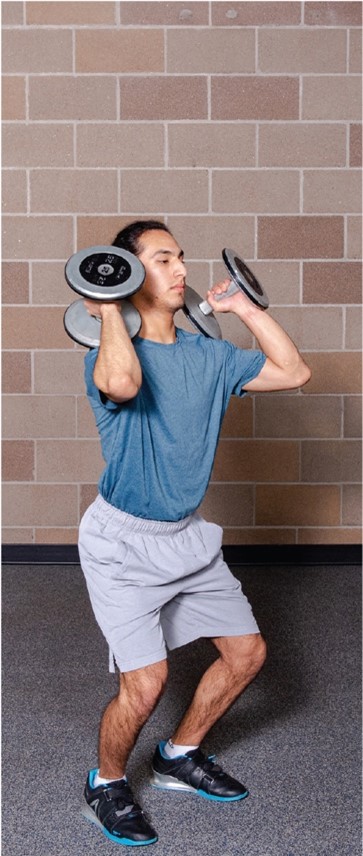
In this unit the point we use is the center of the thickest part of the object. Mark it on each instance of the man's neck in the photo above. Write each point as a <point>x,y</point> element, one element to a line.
<point>158,328</point>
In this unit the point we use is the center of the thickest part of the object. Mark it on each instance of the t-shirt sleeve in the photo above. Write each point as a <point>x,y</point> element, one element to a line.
<point>96,396</point>
<point>243,366</point>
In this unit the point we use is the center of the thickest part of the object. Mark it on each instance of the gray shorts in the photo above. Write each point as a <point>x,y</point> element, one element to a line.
<point>155,585</point>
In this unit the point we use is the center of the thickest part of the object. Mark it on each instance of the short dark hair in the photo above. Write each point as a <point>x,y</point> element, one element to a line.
<point>129,237</point>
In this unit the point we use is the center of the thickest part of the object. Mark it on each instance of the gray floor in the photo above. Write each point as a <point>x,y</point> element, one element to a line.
<point>293,738</point>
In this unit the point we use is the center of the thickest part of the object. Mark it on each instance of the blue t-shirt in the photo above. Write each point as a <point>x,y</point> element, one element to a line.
<point>159,447</point>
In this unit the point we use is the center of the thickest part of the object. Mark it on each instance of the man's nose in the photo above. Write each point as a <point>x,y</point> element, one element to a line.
<point>180,268</point>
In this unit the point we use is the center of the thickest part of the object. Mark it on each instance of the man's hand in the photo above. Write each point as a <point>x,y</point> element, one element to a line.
<point>97,307</point>
<point>238,302</point>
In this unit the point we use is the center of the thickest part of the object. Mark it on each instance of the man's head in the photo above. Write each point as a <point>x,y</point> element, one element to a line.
<point>163,260</point>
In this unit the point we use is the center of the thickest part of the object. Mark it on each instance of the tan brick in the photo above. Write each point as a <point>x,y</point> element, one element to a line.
<point>355,145</point>
<point>331,282</point>
<point>333,13</point>
<point>339,535</point>
<point>59,373</point>
<point>352,505</point>
<point>48,145</point>
<point>121,145</point>
<point>355,51</point>
<point>34,327</point>
<point>168,97</point>
<point>248,191</point>
<point>303,144</point>
<point>316,328</point>
<point>39,416</point>
<point>211,145</point>
<point>67,97</point>
<point>331,97</point>
<point>332,191</point>
<point>334,373</point>
<point>49,286</point>
<point>298,416</point>
<point>352,416</point>
<point>258,535</point>
<point>37,237</point>
<point>256,461</point>
<point>69,460</point>
<point>69,190</point>
<point>12,13</point>
<point>203,51</point>
<point>300,237</point>
<point>15,282</point>
<point>331,461</point>
<point>37,51</point>
<point>108,51</point>
<point>164,190</point>
<point>86,425</point>
<point>297,505</point>
<point>16,372</point>
<point>88,493</point>
<point>249,97</point>
<point>45,535</point>
<point>70,13</point>
<point>18,460</point>
<point>12,535</point>
<point>13,97</point>
<point>14,191</point>
<point>353,329</point>
<point>53,505</point>
<point>229,504</point>
<point>93,230</point>
<point>238,419</point>
<point>354,237</point>
<point>204,237</point>
<point>302,51</point>
<point>246,14</point>
<point>164,14</point>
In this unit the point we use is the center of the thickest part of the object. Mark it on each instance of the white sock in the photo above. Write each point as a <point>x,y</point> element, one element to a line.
<point>172,750</point>
<point>98,780</point>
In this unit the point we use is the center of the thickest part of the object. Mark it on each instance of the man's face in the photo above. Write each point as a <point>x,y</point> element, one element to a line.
<point>164,283</point>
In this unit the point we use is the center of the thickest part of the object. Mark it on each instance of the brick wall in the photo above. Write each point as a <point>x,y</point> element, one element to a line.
<point>240,124</point>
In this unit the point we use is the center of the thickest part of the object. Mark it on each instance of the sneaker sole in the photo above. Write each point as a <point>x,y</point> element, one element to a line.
<point>89,815</point>
<point>170,783</point>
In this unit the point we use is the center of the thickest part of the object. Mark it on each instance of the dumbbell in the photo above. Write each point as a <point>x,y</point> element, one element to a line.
<point>200,313</point>
<point>104,273</point>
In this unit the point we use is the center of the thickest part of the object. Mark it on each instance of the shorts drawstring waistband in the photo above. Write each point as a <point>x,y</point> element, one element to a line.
<point>140,524</point>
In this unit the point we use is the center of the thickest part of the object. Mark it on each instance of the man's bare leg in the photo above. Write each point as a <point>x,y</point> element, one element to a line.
<point>124,717</point>
<point>241,658</point>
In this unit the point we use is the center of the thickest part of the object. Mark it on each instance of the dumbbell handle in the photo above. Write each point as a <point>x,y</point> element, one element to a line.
<point>206,308</point>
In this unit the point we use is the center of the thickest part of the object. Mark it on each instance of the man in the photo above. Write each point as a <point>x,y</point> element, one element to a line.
<point>154,568</point>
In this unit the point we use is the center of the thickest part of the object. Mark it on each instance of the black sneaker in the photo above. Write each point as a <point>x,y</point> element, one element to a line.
<point>113,809</point>
<point>195,772</point>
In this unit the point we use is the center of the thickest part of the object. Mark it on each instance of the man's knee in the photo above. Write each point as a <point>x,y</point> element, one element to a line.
<point>145,686</point>
<point>244,655</point>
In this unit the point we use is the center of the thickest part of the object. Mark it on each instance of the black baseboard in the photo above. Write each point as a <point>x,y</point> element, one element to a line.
<point>276,554</point>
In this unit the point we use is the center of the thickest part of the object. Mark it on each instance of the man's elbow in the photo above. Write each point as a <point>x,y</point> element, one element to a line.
<point>120,389</point>
<point>302,375</point>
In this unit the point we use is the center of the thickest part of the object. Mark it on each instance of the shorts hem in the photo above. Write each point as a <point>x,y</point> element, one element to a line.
<point>140,662</point>
<point>214,635</point>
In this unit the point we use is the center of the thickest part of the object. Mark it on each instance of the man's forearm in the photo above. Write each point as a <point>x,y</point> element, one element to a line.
<point>272,338</point>
<point>117,370</point>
